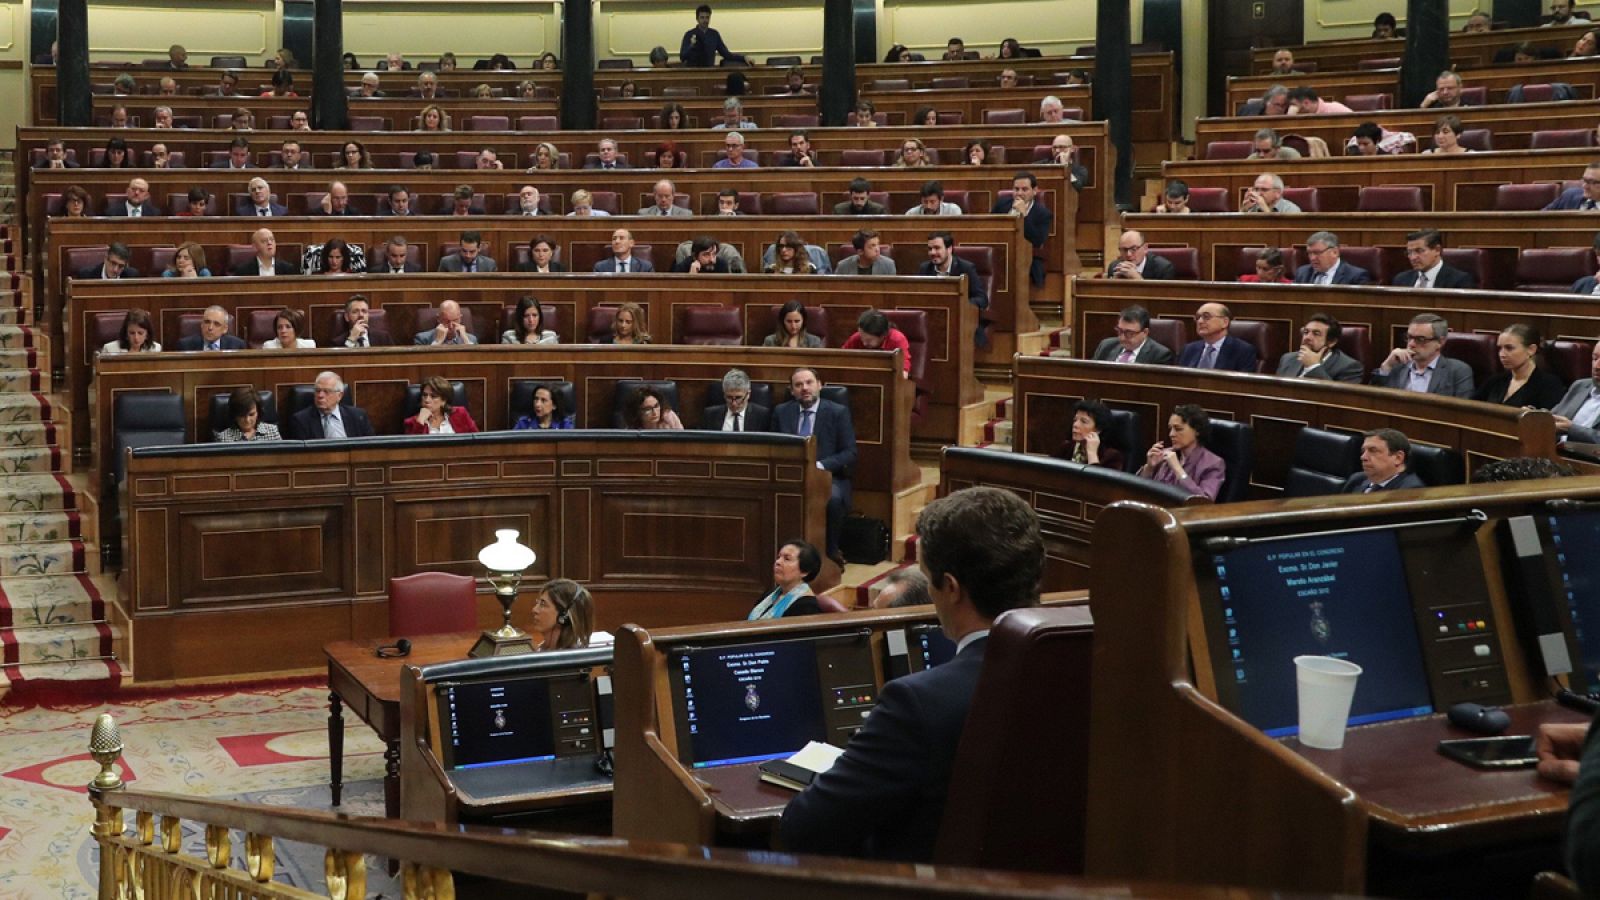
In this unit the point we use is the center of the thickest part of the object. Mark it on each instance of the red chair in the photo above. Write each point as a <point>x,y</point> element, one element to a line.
<point>795,204</point>
<point>260,328</point>
<point>1538,93</point>
<point>1571,360</point>
<point>1368,102</point>
<point>959,198</point>
<point>1470,259</point>
<point>598,324</point>
<point>1209,200</point>
<point>1552,270</point>
<point>537,123</point>
<point>83,257</point>
<point>1004,116</point>
<point>1229,149</point>
<point>1390,198</point>
<point>712,326</point>
<point>954,117</point>
<point>1185,261</point>
<point>950,81</point>
<point>1307,198</point>
<point>1356,342</point>
<point>1387,62</point>
<point>1475,96</point>
<point>1524,197</point>
<point>624,123</point>
<point>369,123</point>
<point>861,157</point>
<point>1476,350</point>
<point>1478,139</point>
<point>1369,258</point>
<point>1562,137</point>
<point>610,201</point>
<point>1170,333</point>
<point>432,603</point>
<point>913,323</point>
<point>889,84</point>
<point>1256,333</point>
<point>793,120</point>
<point>488,123</point>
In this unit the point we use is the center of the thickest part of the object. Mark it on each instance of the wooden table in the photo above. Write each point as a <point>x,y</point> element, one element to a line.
<point>370,686</point>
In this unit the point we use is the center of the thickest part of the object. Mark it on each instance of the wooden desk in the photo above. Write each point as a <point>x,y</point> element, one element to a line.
<point>1512,125</point>
<point>1583,74</point>
<point>1465,49</point>
<point>370,687</point>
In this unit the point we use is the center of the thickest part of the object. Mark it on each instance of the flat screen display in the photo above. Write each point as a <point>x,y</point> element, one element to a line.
<point>930,647</point>
<point>1575,546</point>
<point>491,723</point>
<point>1342,595</point>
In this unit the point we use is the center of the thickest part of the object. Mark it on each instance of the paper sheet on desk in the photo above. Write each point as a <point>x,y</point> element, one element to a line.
<point>816,756</point>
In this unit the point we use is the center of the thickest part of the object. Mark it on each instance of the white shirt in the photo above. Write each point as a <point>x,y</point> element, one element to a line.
<point>1431,275</point>
<point>969,638</point>
<point>727,419</point>
<point>267,268</point>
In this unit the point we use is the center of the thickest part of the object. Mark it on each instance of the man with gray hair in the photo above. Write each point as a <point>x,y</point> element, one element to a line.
<point>665,194</point>
<point>1052,110</point>
<point>1266,195</point>
<point>427,86</point>
<point>369,86</point>
<point>1421,366</point>
<point>213,334</point>
<point>736,412</point>
<point>733,146</point>
<point>733,117</point>
<point>1267,145</point>
<point>327,417</point>
<point>1326,267</point>
<point>606,156</point>
<point>903,587</point>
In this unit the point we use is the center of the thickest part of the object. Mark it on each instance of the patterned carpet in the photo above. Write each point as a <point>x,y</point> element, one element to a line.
<point>265,744</point>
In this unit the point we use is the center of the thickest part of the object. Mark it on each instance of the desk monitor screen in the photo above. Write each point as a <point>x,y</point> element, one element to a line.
<point>740,703</point>
<point>1341,595</point>
<point>928,647</point>
<point>505,720</point>
<point>1574,546</point>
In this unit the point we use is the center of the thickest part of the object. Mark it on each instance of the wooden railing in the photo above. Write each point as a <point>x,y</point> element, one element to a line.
<point>1465,49</point>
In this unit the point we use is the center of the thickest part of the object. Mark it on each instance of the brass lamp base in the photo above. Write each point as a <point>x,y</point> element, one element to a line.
<point>499,643</point>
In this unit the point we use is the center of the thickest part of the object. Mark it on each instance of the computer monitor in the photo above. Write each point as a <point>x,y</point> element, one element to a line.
<point>749,702</point>
<point>1571,545</point>
<point>928,647</point>
<point>1341,594</point>
<point>502,720</point>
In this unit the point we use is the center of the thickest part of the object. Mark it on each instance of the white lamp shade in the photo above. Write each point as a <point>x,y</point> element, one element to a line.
<point>505,554</point>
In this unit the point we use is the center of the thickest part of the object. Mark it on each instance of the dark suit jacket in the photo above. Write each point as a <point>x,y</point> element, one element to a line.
<point>1036,228</point>
<point>195,343</point>
<point>529,266</point>
<point>835,434</point>
<point>1157,268</point>
<point>1357,483</point>
<point>65,164</point>
<point>383,268</point>
<point>348,211</point>
<point>975,293</point>
<point>1234,355</point>
<point>374,339</point>
<point>636,264</point>
<point>1337,367</point>
<point>1451,378</point>
<point>1345,274</point>
<point>98,269</point>
<point>453,263</point>
<point>595,164</point>
<point>226,163</point>
<point>884,798</point>
<point>119,207</point>
<point>1584,285</point>
<point>279,267</point>
<point>756,417</point>
<point>872,209</point>
<point>1449,277</point>
<point>306,425</point>
<point>702,50</point>
<point>245,208</point>
<point>1151,352</point>
<point>1571,198</point>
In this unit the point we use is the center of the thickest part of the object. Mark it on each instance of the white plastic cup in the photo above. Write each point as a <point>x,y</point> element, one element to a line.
<point>1326,687</point>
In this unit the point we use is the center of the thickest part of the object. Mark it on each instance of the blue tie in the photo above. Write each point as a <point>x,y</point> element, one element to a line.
<point>805,422</point>
<point>1208,360</point>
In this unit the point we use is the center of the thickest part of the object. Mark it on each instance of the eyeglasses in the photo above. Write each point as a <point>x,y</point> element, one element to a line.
<point>1129,332</point>
<point>1591,182</point>
<point>1206,317</point>
<point>1134,249</point>
<point>650,408</point>
<point>1420,339</point>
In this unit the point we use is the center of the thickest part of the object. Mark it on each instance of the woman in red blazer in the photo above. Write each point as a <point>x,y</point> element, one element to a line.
<point>437,416</point>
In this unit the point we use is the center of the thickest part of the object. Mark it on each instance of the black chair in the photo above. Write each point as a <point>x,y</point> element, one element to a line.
<point>221,421</point>
<point>1124,435</point>
<point>1322,461</point>
<point>624,392</point>
<point>520,403</point>
<point>146,420</point>
<point>1436,466</point>
<point>1236,444</point>
<point>760,395</point>
<point>458,397</point>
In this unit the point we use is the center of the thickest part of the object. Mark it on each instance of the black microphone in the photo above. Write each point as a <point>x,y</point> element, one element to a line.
<point>395,650</point>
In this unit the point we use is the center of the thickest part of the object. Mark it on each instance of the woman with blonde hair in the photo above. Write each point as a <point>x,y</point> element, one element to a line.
<point>546,157</point>
<point>433,118</point>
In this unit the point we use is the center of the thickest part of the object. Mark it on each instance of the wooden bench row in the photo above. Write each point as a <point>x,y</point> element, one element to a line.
<point>1465,49</point>
<point>1582,73</point>
<point>1511,126</point>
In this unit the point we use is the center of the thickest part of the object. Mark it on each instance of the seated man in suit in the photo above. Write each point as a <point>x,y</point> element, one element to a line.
<point>260,202</point>
<point>1425,251</point>
<point>942,260</point>
<point>528,202</point>
<point>399,201</point>
<point>1578,414</point>
<point>326,418</point>
<point>358,330</point>
<point>238,155</point>
<point>1063,153</point>
<point>736,412</point>
<point>1584,197</point>
<point>1266,196</point>
<point>884,797</point>
<point>1134,260</point>
<point>901,588</point>
<point>1590,284</point>
<point>808,414</point>
<point>55,156</point>
<point>1036,219</point>
<point>1384,452</point>
<point>1132,343</point>
<point>860,202</point>
<point>1319,355</point>
<point>868,259</point>
<point>1421,365</point>
<point>114,266</point>
<point>395,259</point>
<point>266,260</point>
<point>704,256</point>
<point>136,204</point>
<point>622,261</point>
<point>664,193</point>
<point>293,157</point>
<point>1325,266</point>
<point>607,152</point>
<point>470,257</point>
<point>336,202</point>
<point>1216,348</point>
<point>213,334</point>
<point>448,331</point>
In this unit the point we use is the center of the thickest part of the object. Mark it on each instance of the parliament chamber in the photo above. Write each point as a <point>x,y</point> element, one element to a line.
<point>815,284</point>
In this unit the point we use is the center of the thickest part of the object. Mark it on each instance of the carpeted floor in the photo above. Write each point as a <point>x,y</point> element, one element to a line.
<point>265,745</point>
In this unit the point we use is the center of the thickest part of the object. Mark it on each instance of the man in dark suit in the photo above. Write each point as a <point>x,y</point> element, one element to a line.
<point>1325,266</point>
<point>736,412</point>
<point>469,258</point>
<point>326,418</point>
<point>1036,219</point>
<point>399,202</point>
<point>622,261</point>
<point>1134,260</point>
<point>1578,414</point>
<point>1584,197</point>
<point>238,156</point>
<point>1384,452</point>
<point>1421,365</point>
<point>266,260</point>
<point>1319,355</point>
<point>213,333</point>
<point>1132,343</point>
<point>607,156</point>
<point>55,156</point>
<point>808,414</point>
<point>336,202</point>
<point>292,157</point>
<point>702,44</point>
<point>136,204</point>
<point>942,260</point>
<point>1216,348</point>
<point>1425,251</point>
<point>396,258</point>
<point>884,798</point>
<point>115,265</point>
<point>260,203</point>
<point>860,202</point>
<point>1589,284</point>
<point>358,331</point>
<point>1063,153</point>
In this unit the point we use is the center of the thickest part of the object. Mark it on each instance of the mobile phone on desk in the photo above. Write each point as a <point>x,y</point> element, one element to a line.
<point>1511,751</point>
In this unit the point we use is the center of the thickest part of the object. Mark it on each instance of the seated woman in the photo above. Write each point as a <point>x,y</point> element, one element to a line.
<point>288,324</point>
<point>627,326</point>
<point>547,413</point>
<point>666,155</point>
<point>541,256</point>
<point>628,91</point>
<point>792,258</point>
<point>563,617</point>
<point>1521,381</point>
<point>913,153</point>
<point>437,416</point>
<point>282,84</point>
<point>583,204</point>
<point>1186,462</point>
<point>546,157</point>
<point>864,114</point>
<point>117,155</point>
<point>134,336</point>
<point>1091,422</point>
<point>75,202</point>
<point>527,90</point>
<point>648,411</point>
<point>1270,268</point>
<point>798,563</point>
<point>976,153</point>
<point>548,62</point>
<point>188,262</point>
<point>925,116</point>
<point>674,117</point>
<point>338,259</point>
<point>791,330</point>
<point>354,155</point>
<point>482,92</point>
<point>433,118</point>
<point>1588,45</point>
<point>527,327</point>
<point>1447,135</point>
<point>245,412</point>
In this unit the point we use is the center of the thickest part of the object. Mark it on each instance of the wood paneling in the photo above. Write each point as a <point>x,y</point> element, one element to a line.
<point>1582,73</point>
<point>1465,49</point>
<point>1512,126</point>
